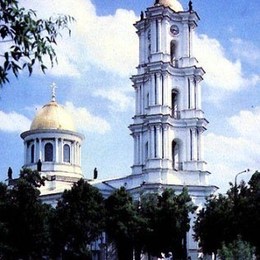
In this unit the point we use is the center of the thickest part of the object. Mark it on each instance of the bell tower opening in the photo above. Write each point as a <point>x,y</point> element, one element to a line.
<point>176,166</point>
<point>173,52</point>
<point>174,104</point>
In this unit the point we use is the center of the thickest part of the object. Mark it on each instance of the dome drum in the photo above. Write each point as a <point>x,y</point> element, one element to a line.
<point>52,144</point>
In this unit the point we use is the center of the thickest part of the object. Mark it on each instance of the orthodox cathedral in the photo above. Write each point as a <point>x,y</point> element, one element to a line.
<point>167,127</point>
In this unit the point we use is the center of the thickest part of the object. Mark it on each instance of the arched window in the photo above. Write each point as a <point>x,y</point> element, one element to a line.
<point>66,153</point>
<point>32,153</point>
<point>175,156</point>
<point>175,111</point>
<point>48,152</point>
<point>173,49</point>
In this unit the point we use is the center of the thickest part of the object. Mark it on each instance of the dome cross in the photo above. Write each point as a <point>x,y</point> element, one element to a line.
<point>53,92</point>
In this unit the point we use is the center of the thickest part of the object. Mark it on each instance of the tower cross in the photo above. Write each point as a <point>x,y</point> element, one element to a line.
<point>53,92</point>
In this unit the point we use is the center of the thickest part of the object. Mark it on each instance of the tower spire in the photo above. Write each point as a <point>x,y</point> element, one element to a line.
<point>53,92</point>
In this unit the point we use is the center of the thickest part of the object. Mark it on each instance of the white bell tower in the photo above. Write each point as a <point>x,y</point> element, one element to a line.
<point>168,121</point>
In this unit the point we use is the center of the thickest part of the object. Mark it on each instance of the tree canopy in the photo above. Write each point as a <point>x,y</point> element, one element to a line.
<point>225,218</point>
<point>78,220</point>
<point>23,220</point>
<point>25,39</point>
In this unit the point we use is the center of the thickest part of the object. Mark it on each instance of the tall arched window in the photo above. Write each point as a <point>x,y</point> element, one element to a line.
<point>175,155</point>
<point>32,153</point>
<point>66,153</point>
<point>173,53</point>
<point>175,111</point>
<point>48,152</point>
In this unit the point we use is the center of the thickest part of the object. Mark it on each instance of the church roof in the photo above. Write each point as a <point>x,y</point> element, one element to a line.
<point>53,116</point>
<point>173,4</point>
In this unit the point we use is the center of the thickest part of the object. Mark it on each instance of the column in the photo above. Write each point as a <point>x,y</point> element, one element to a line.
<point>138,148</point>
<point>74,152</point>
<point>56,151</point>
<point>158,89</point>
<point>25,152</point>
<point>199,144</point>
<point>159,141</point>
<point>141,148</point>
<point>135,148</point>
<point>194,144</point>
<point>165,90</point>
<point>159,35</point>
<point>191,39</point>
<point>140,99</point>
<point>79,155</point>
<point>153,36</point>
<point>192,95</point>
<point>152,142</point>
<point>152,90</point>
<point>136,100</point>
<point>141,46</point>
<point>35,151</point>
<point>143,99</point>
<point>185,40</point>
<point>40,149</point>
<point>61,150</point>
<point>166,142</point>
<point>164,36</point>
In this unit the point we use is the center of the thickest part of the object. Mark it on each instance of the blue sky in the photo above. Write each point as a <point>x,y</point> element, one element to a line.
<point>93,73</point>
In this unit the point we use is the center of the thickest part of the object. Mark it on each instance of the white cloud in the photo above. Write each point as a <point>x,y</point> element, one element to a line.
<point>247,123</point>
<point>108,42</point>
<point>13,122</point>
<point>227,156</point>
<point>85,121</point>
<point>119,100</point>
<point>246,50</point>
<point>221,73</point>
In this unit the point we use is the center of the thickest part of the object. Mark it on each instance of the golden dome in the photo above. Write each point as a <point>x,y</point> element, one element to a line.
<point>53,116</point>
<point>173,4</point>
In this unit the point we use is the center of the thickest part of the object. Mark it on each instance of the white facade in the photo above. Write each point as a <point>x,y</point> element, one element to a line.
<point>168,122</point>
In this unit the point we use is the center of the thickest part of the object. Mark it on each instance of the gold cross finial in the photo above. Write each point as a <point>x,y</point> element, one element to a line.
<point>53,92</point>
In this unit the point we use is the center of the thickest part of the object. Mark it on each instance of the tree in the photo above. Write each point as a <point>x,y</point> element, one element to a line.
<point>77,221</point>
<point>122,222</point>
<point>174,222</point>
<point>23,220</point>
<point>166,216</point>
<point>213,224</point>
<point>238,249</point>
<point>25,40</point>
<point>251,213</point>
<point>226,217</point>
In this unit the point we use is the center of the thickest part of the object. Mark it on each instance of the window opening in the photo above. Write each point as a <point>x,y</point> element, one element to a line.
<point>66,153</point>
<point>32,153</point>
<point>48,152</point>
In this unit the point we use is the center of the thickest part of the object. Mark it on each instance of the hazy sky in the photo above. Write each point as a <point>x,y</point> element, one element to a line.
<point>93,73</point>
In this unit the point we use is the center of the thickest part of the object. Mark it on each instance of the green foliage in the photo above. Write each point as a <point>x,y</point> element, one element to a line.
<point>25,40</point>
<point>77,221</point>
<point>166,216</point>
<point>23,221</point>
<point>237,250</point>
<point>32,177</point>
<point>225,217</point>
<point>122,222</point>
<point>213,223</point>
